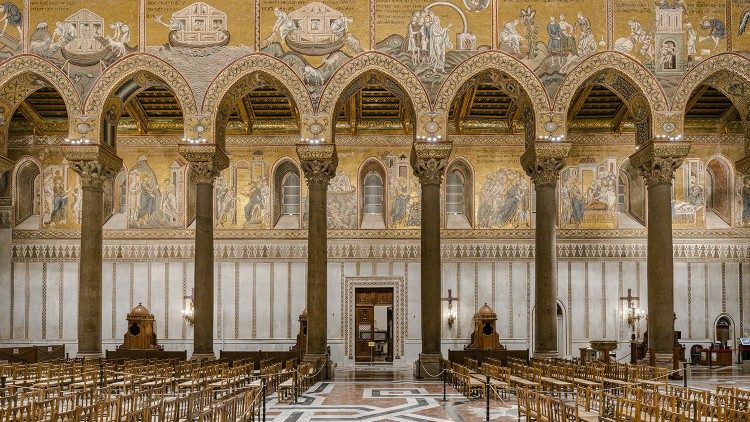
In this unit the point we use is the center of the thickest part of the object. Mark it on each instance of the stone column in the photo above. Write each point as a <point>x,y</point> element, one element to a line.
<point>657,162</point>
<point>206,163</point>
<point>94,164</point>
<point>543,162</point>
<point>319,163</point>
<point>429,161</point>
<point>6,237</point>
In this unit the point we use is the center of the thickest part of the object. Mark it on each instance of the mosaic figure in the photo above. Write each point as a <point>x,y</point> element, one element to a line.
<point>504,201</point>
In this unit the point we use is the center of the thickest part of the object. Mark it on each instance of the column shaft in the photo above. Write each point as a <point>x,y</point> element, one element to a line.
<point>90,285</point>
<point>660,269</point>
<point>545,264</point>
<point>317,269</point>
<point>203,293</point>
<point>430,269</point>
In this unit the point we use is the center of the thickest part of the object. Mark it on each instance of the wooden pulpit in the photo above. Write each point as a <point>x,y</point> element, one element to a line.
<point>141,334</point>
<point>485,335</point>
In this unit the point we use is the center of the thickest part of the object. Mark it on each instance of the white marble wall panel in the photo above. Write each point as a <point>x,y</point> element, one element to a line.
<point>42,300</point>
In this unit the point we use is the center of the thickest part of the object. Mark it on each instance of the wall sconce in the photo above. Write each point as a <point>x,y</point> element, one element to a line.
<point>451,311</point>
<point>188,309</point>
<point>635,315</point>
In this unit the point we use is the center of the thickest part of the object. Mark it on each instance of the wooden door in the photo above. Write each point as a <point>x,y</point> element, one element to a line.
<point>364,328</point>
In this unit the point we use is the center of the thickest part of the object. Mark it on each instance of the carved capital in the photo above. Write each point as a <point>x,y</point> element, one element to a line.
<point>543,161</point>
<point>93,163</point>
<point>206,161</point>
<point>319,162</point>
<point>657,161</point>
<point>93,173</point>
<point>429,161</point>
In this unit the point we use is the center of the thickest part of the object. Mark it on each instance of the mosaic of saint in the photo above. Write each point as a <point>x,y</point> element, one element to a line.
<point>588,194</point>
<point>504,201</point>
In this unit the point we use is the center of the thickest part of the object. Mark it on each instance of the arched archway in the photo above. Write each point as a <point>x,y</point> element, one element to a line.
<point>127,79</point>
<point>459,194</point>
<point>288,208</point>
<point>718,192</point>
<point>372,184</point>
<point>240,79</point>
<point>27,193</point>
<point>634,85</point>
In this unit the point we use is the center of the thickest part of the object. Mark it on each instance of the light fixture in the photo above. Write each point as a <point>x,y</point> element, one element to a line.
<point>313,141</point>
<point>451,311</point>
<point>669,138</point>
<point>79,141</point>
<point>430,138</point>
<point>199,140</point>
<point>188,309</point>
<point>548,138</point>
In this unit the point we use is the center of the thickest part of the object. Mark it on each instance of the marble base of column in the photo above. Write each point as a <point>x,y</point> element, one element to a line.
<point>430,367</point>
<point>545,355</point>
<point>203,356</point>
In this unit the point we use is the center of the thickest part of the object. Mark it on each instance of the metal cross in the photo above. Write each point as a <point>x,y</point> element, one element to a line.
<point>630,298</point>
<point>450,297</point>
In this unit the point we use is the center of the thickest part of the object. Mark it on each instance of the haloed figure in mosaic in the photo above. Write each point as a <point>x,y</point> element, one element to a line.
<point>11,16</point>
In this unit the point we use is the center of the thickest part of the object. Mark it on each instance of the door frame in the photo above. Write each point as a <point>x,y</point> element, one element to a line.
<point>348,310</point>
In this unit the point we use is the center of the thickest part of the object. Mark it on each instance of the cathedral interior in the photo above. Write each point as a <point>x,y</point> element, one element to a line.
<point>394,189</point>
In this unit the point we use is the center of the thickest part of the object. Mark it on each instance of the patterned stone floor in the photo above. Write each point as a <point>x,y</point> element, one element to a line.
<point>385,394</point>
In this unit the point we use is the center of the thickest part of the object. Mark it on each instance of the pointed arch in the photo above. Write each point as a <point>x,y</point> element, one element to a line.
<point>242,76</point>
<point>125,78</point>
<point>346,77</point>
<point>24,74</point>
<point>27,190</point>
<point>371,165</point>
<point>628,79</point>
<point>498,61</point>
<point>461,165</point>
<point>728,73</point>
<point>719,187</point>
<point>282,168</point>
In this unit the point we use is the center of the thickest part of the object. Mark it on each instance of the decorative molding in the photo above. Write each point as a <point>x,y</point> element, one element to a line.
<point>348,304</point>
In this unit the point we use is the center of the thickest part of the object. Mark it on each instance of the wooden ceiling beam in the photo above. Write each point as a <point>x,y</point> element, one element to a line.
<point>462,113</point>
<point>36,120</point>
<point>619,117</point>
<point>701,90</point>
<point>244,113</point>
<point>354,102</point>
<point>138,114</point>
<point>580,101</point>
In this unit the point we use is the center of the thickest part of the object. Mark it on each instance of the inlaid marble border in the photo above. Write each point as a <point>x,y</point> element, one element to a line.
<point>348,304</point>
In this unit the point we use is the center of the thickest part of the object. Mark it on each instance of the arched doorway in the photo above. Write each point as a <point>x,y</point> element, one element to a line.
<point>724,331</point>
<point>562,332</point>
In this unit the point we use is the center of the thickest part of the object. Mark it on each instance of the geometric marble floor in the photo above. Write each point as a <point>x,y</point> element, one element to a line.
<point>378,395</point>
<point>381,394</point>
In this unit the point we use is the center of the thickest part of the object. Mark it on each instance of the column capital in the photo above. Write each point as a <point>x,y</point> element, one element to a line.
<point>319,162</point>
<point>543,161</point>
<point>657,161</point>
<point>93,163</point>
<point>206,161</point>
<point>429,161</point>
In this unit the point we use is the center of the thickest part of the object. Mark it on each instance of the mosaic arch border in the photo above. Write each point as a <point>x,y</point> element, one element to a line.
<point>31,64</point>
<point>727,62</point>
<point>127,68</point>
<point>233,74</point>
<point>634,72</point>
<point>388,66</point>
<point>501,62</point>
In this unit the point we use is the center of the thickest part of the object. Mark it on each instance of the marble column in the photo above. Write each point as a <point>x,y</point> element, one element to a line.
<point>319,163</point>
<point>657,162</point>
<point>6,236</point>
<point>206,163</point>
<point>543,162</point>
<point>429,161</point>
<point>94,164</point>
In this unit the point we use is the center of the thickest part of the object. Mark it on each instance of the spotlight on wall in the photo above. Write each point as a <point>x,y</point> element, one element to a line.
<point>199,140</point>
<point>430,138</point>
<point>313,141</point>
<point>80,141</point>
<point>188,309</point>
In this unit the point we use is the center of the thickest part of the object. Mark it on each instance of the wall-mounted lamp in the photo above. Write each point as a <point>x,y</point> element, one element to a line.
<point>188,309</point>
<point>451,311</point>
